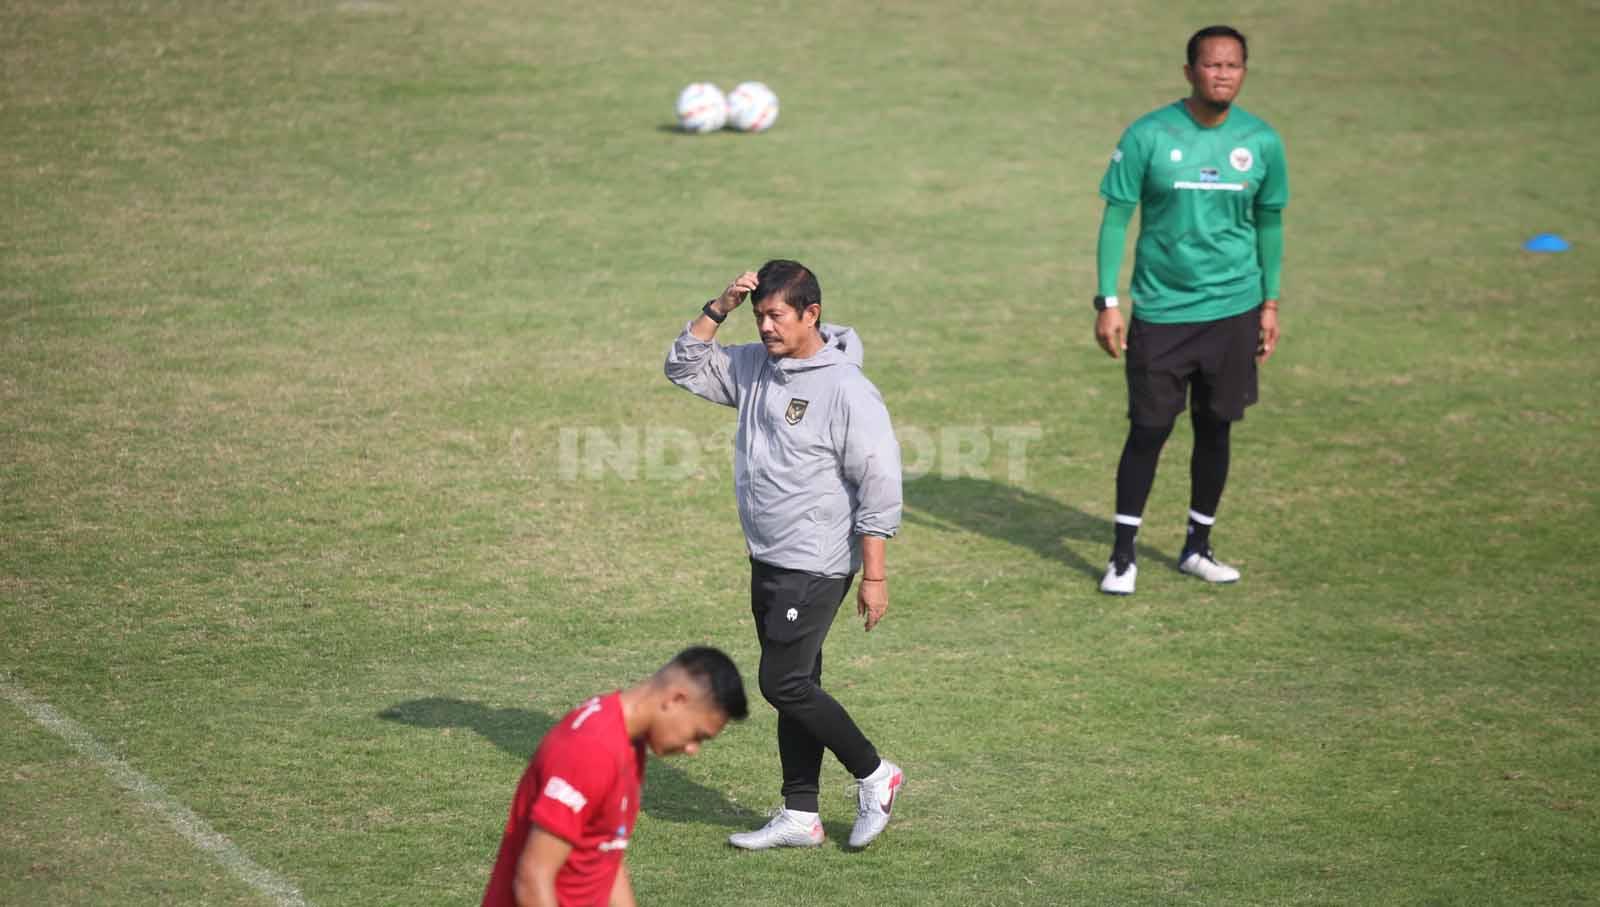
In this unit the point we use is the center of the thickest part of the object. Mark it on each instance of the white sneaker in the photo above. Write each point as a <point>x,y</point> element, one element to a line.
<point>1208,568</point>
<point>874,800</point>
<point>786,829</point>
<point>1119,583</point>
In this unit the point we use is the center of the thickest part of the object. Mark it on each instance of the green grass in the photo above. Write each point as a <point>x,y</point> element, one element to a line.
<point>296,301</point>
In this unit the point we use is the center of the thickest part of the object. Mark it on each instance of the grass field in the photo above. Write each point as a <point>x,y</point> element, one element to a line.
<point>336,460</point>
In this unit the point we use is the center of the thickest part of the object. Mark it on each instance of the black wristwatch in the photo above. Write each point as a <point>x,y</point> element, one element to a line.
<point>1101,303</point>
<point>712,313</point>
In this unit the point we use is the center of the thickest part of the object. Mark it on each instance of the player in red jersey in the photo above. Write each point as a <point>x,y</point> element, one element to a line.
<point>574,809</point>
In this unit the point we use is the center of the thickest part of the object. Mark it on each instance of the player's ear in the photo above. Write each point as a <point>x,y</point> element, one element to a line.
<point>813,314</point>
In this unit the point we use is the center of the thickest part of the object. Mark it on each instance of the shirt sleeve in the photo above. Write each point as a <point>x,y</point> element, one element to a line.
<point>1123,183</point>
<point>572,785</point>
<point>1274,192</point>
<point>1108,250</point>
<point>1269,248</point>
<point>871,459</point>
<point>702,367</point>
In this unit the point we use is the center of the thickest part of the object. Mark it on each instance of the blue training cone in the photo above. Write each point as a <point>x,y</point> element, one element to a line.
<point>1546,242</point>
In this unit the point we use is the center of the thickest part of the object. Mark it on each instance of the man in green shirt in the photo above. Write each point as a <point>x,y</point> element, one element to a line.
<point>1213,183</point>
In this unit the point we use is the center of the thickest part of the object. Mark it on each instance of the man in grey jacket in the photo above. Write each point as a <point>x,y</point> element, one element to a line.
<point>817,479</point>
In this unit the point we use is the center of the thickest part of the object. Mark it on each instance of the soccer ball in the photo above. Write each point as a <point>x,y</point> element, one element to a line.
<point>752,107</point>
<point>702,108</point>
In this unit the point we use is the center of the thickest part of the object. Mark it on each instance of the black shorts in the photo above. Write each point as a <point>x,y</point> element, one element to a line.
<point>1217,357</point>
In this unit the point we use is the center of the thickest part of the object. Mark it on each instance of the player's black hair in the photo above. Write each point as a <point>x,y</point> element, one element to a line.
<point>792,282</point>
<point>1217,31</point>
<point>714,670</point>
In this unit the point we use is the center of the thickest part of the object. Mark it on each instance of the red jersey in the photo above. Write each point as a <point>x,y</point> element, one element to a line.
<point>582,786</point>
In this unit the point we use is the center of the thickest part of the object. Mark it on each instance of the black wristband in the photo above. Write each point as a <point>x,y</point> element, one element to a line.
<point>712,313</point>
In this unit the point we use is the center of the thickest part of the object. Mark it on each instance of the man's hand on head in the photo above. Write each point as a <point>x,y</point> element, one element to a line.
<point>736,293</point>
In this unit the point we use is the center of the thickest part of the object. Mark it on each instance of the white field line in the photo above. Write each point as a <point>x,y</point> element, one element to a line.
<point>195,829</point>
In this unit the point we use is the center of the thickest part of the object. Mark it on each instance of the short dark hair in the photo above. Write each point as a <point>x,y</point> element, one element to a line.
<point>1217,31</point>
<point>714,670</point>
<point>790,281</point>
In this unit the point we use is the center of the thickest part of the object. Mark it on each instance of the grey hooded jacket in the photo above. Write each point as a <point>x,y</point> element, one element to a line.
<point>815,461</point>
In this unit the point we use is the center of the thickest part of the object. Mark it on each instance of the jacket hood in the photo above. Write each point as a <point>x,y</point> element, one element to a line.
<point>841,345</point>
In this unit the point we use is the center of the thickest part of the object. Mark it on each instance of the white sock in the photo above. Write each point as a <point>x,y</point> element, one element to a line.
<point>805,818</point>
<point>878,774</point>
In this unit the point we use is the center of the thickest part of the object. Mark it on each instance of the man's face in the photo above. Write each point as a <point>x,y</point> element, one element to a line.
<point>784,331</point>
<point>1218,71</point>
<point>688,718</point>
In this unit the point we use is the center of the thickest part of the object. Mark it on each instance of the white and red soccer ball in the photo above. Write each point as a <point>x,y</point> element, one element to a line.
<point>750,107</point>
<point>702,108</point>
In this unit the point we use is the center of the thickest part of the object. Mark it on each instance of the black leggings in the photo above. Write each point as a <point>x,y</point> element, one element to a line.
<point>1208,465</point>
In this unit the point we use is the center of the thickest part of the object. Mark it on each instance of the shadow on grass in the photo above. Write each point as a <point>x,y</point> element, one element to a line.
<point>1017,516</point>
<point>669,794</point>
<point>677,130</point>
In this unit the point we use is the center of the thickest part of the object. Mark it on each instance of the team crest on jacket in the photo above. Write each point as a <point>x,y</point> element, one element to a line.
<point>796,411</point>
<point>1241,159</point>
